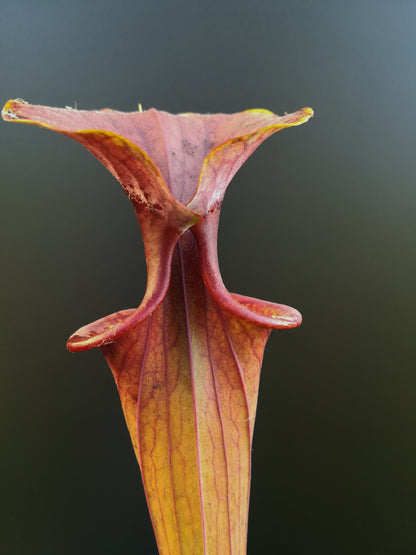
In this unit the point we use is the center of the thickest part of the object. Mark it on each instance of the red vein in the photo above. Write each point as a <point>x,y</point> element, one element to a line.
<point>237,362</point>
<point>240,373</point>
<point>146,350</point>
<point>139,393</point>
<point>159,120</point>
<point>168,426</point>
<point>192,370</point>
<point>180,197</point>
<point>219,416</point>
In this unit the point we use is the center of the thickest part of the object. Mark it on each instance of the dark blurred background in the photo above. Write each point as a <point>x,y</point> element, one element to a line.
<point>322,218</point>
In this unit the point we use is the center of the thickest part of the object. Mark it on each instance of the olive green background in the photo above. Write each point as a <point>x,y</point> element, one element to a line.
<point>322,218</point>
